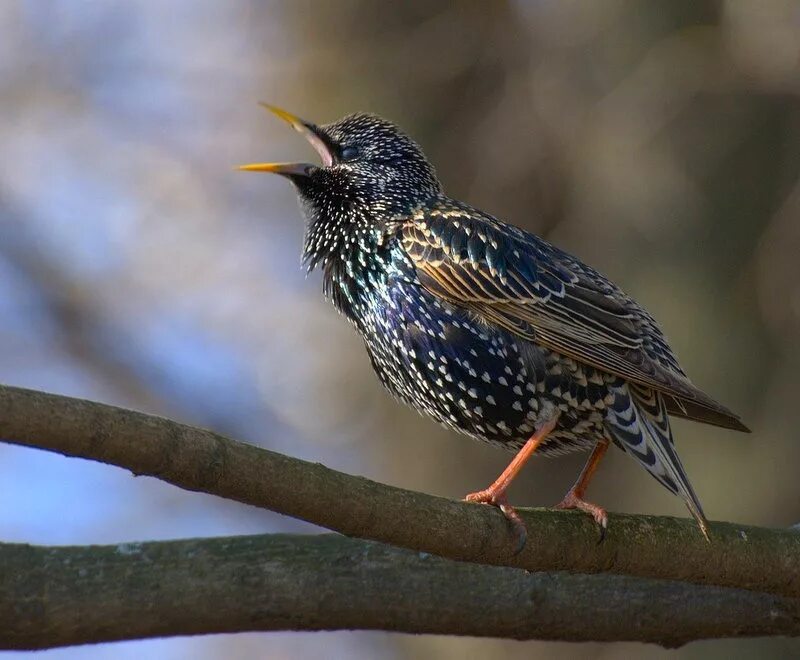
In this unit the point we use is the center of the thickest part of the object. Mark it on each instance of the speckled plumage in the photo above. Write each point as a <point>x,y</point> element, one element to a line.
<point>488,329</point>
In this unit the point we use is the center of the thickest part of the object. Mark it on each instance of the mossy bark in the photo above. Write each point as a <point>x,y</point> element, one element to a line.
<point>76,595</point>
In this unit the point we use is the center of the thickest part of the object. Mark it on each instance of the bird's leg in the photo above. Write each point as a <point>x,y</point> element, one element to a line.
<point>574,497</point>
<point>496,493</point>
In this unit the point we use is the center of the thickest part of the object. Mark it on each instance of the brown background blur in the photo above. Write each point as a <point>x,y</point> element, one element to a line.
<point>658,141</point>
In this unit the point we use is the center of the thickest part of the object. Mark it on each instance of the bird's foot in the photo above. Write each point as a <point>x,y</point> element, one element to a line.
<point>573,501</point>
<point>498,498</point>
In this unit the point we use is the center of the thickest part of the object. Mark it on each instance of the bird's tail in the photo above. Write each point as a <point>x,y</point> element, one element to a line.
<point>638,423</point>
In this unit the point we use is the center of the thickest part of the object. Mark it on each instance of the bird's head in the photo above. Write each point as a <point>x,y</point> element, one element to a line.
<point>368,164</point>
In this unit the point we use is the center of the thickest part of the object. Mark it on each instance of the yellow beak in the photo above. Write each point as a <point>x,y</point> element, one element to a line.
<point>308,130</point>
<point>276,168</point>
<point>293,120</point>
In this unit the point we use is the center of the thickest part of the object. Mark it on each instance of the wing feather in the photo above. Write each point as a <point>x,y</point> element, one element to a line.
<point>535,290</point>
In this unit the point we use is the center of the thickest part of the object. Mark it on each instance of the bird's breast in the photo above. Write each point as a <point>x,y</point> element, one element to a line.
<point>447,364</point>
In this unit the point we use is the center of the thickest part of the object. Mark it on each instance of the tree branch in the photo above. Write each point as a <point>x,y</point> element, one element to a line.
<point>766,560</point>
<point>752,575</point>
<point>75,595</point>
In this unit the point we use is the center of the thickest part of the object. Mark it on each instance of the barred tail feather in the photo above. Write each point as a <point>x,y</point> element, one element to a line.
<point>638,423</point>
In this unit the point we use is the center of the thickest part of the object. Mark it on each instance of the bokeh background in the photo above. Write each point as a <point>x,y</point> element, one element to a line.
<point>659,141</point>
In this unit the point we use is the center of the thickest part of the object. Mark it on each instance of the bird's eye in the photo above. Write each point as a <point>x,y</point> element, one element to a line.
<point>348,154</point>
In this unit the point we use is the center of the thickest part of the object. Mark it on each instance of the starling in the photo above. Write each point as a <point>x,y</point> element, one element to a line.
<point>488,329</point>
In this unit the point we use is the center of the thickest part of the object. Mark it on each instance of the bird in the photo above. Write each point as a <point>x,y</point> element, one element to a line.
<point>488,329</point>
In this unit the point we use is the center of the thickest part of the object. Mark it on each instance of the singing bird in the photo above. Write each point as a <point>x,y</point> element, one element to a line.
<point>488,329</point>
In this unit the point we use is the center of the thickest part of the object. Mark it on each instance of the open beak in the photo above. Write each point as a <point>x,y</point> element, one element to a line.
<point>310,132</point>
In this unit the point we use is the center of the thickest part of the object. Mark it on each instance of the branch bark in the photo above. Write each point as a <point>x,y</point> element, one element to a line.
<point>766,560</point>
<point>75,595</point>
<point>638,557</point>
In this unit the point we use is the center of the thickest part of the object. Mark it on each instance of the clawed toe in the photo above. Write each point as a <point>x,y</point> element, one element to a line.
<point>572,501</point>
<point>488,496</point>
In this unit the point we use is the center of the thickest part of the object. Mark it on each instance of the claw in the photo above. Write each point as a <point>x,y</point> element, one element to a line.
<point>573,501</point>
<point>603,530</point>
<point>493,498</point>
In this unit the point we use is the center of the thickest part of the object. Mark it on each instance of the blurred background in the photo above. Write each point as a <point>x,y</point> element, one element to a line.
<point>660,142</point>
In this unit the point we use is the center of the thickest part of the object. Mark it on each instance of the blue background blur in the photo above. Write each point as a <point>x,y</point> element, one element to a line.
<point>658,141</point>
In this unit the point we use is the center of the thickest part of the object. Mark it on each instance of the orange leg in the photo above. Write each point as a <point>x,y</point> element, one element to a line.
<point>574,497</point>
<point>496,493</point>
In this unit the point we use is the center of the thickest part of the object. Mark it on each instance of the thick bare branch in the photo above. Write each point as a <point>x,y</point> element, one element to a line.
<point>644,546</point>
<point>74,595</point>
